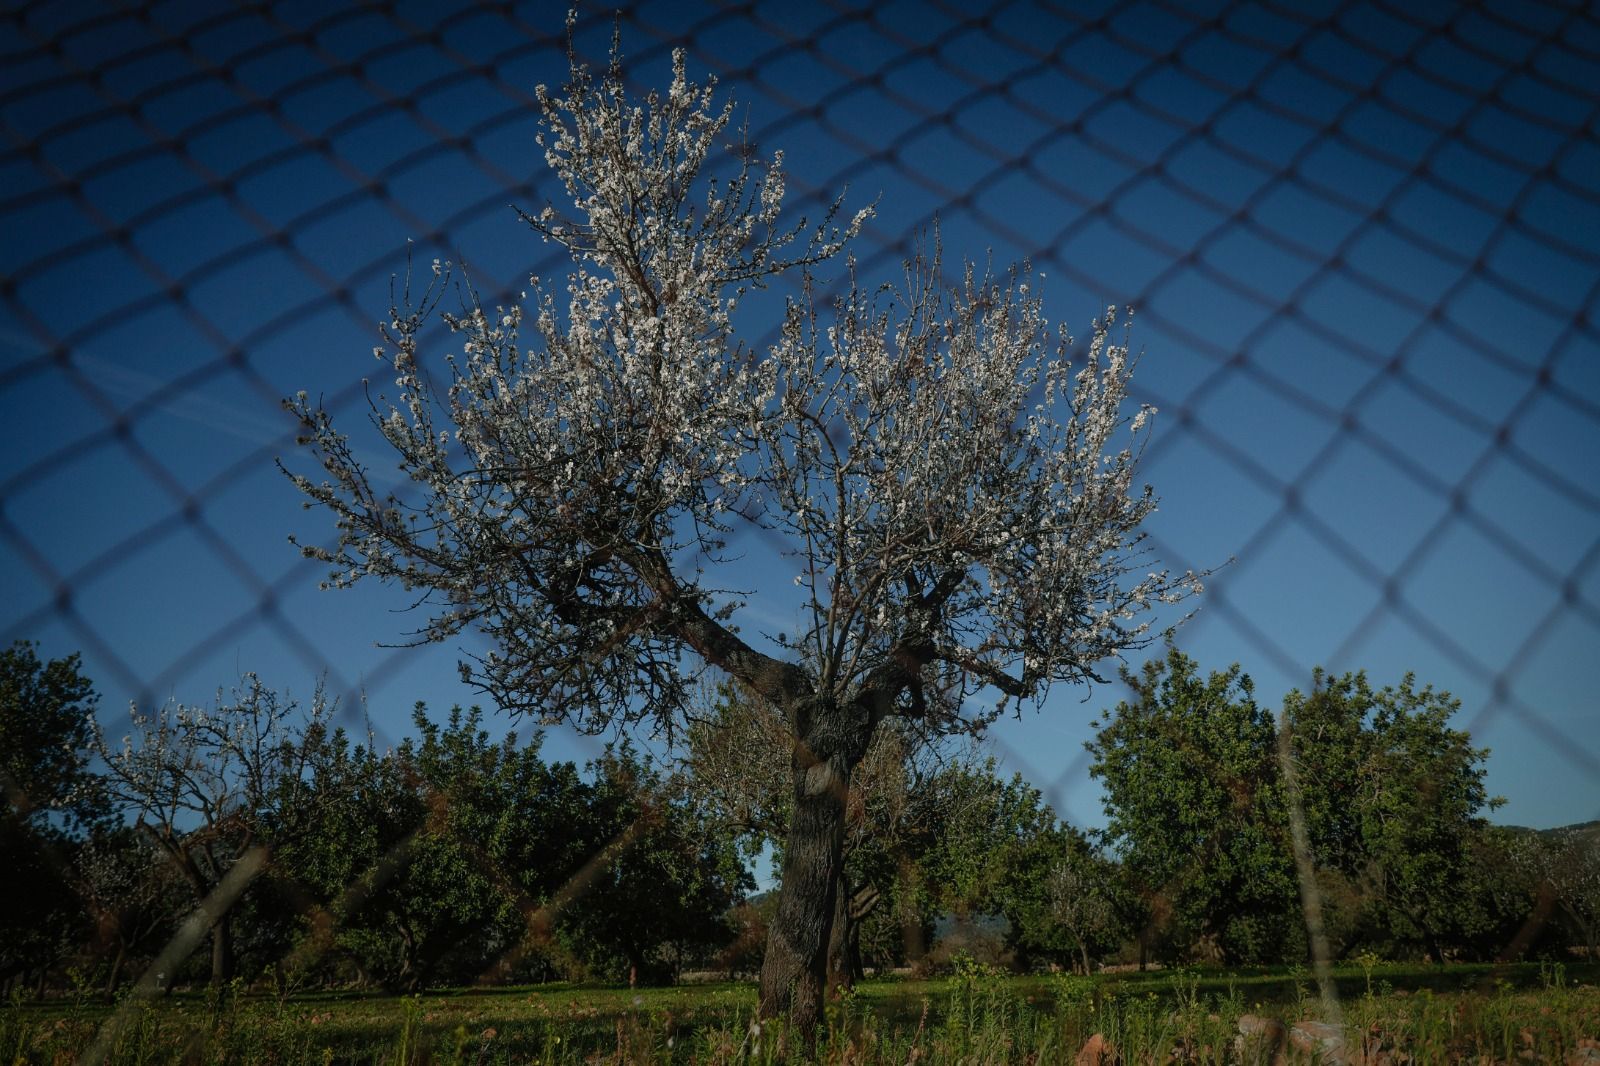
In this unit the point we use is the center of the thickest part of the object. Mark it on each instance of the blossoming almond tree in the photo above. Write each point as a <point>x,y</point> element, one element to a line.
<point>964,521</point>
<point>206,787</point>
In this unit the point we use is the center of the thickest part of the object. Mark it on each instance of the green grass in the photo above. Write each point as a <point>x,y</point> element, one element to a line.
<point>1414,1013</point>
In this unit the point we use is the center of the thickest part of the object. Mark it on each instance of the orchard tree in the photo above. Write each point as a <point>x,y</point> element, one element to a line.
<point>1393,798</point>
<point>501,831</point>
<point>133,896</point>
<point>960,501</point>
<point>1061,898</point>
<point>1567,862</point>
<point>46,723</point>
<point>202,784</point>
<point>1195,808</point>
<point>670,876</point>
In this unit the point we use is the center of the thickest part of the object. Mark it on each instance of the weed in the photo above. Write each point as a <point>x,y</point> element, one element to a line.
<point>1368,961</point>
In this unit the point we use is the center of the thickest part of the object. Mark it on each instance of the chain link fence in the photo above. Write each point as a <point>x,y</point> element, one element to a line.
<point>1360,238</point>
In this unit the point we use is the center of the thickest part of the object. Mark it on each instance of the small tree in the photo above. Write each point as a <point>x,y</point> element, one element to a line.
<point>201,784</point>
<point>671,874</point>
<point>501,832</point>
<point>1196,809</point>
<point>962,515</point>
<point>46,723</point>
<point>1060,897</point>
<point>1567,863</point>
<point>133,896</point>
<point>1393,799</point>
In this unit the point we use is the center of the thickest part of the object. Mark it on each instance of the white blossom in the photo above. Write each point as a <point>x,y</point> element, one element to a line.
<point>960,496</point>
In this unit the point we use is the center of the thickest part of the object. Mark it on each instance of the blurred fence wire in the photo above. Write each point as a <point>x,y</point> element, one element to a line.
<point>1362,238</point>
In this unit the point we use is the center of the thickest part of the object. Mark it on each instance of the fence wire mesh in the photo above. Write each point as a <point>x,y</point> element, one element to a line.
<point>1360,238</point>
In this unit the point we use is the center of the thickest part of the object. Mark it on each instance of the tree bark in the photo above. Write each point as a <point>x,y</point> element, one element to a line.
<point>222,951</point>
<point>841,964</point>
<point>844,942</point>
<point>795,972</point>
<point>116,970</point>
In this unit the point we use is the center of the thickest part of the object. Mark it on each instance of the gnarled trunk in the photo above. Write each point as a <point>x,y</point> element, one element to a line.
<point>795,972</point>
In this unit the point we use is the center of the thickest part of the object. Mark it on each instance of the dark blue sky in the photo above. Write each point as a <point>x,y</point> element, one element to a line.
<point>1360,238</point>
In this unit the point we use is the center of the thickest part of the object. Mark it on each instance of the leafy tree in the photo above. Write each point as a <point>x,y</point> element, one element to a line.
<point>997,847</point>
<point>961,512</point>
<point>339,856</point>
<point>51,798</point>
<point>46,711</point>
<point>666,875</point>
<point>1061,899</point>
<point>462,858</point>
<point>502,833</point>
<point>1393,797</point>
<point>1196,811</point>
<point>1390,793</point>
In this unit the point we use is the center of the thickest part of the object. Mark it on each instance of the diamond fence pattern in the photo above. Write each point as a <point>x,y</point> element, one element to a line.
<point>1360,237</point>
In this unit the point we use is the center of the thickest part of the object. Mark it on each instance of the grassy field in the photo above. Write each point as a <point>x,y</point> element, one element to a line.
<point>1392,1014</point>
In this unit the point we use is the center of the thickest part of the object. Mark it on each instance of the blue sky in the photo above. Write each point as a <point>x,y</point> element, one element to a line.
<point>1359,237</point>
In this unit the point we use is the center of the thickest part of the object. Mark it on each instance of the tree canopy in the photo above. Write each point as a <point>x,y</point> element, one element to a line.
<point>1197,802</point>
<point>46,725</point>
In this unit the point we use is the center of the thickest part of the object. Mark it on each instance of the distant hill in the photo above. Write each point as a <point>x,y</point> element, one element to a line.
<point>1591,830</point>
<point>1585,829</point>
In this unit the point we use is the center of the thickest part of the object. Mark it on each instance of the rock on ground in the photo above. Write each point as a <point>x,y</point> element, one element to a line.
<point>1096,1051</point>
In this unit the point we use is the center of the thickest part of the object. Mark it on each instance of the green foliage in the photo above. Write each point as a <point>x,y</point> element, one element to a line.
<point>666,876</point>
<point>1196,812</point>
<point>459,858</point>
<point>51,800</point>
<point>1064,900</point>
<point>462,858</point>
<point>1001,850</point>
<point>46,711</point>
<point>1404,863</point>
<point>1392,797</point>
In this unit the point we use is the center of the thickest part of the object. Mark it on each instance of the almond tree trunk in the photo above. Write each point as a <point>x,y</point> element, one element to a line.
<point>795,972</point>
